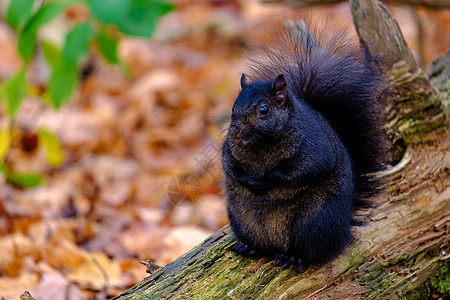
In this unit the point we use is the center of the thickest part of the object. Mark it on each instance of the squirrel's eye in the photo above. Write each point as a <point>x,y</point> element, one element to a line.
<point>264,110</point>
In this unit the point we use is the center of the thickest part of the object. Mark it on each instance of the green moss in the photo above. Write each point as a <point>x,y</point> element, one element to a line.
<point>441,280</point>
<point>381,276</point>
<point>356,260</point>
<point>422,292</point>
<point>438,286</point>
<point>394,189</point>
<point>372,276</point>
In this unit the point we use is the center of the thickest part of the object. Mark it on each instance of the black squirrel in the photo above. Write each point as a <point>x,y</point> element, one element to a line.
<point>304,141</point>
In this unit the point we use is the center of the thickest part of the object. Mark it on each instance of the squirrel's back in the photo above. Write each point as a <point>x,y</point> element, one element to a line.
<point>336,77</point>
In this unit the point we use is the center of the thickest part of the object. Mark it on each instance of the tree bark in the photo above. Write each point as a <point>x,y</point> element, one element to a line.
<point>416,106</point>
<point>434,4</point>
<point>403,251</point>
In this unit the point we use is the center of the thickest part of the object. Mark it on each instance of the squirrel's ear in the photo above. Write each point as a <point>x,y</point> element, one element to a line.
<point>279,88</point>
<point>243,81</point>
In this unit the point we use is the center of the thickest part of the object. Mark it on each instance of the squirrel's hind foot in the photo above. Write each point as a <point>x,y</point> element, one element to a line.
<point>285,261</point>
<point>244,250</point>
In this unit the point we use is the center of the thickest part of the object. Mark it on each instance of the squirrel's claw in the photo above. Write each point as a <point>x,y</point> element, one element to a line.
<point>243,249</point>
<point>285,261</point>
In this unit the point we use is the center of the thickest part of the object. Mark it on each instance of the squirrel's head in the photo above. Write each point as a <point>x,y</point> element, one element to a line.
<point>260,112</point>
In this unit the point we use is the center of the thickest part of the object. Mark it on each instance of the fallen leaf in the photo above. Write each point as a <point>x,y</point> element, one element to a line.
<point>64,254</point>
<point>54,286</point>
<point>14,248</point>
<point>179,241</point>
<point>12,287</point>
<point>97,272</point>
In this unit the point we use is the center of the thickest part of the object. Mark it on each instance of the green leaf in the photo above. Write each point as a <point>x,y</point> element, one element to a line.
<point>25,180</point>
<point>5,143</point>
<point>63,81</point>
<point>18,12</point>
<point>26,44</point>
<point>63,77</point>
<point>109,11</point>
<point>108,47</point>
<point>55,154</point>
<point>140,20</point>
<point>14,91</point>
<point>51,53</point>
<point>27,37</point>
<point>133,17</point>
<point>3,171</point>
<point>77,41</point>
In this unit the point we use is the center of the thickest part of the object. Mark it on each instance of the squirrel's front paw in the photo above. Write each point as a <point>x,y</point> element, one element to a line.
<point>285,261</point>
<point>244,249</point>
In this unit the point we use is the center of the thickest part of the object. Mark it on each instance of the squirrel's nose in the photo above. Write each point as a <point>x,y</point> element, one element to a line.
<point>234,130</point>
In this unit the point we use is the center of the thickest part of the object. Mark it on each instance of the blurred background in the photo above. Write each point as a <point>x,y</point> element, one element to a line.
<point>129,168</point>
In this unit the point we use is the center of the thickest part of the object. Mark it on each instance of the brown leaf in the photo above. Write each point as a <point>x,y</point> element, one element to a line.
<point>13,248</point>
<point>179,241</point>
<point>12,287</point>
<point>54,286</point>
<point>64,254</point>
<point>145,243</point>
<point>97,272</point>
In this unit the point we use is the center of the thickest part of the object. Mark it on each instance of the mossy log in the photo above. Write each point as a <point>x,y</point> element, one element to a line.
<point>402,252</point>
<point>415,105</point>
<point>405,242</point>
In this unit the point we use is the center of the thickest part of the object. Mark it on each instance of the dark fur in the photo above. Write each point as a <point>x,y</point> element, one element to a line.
<point>294,179</point>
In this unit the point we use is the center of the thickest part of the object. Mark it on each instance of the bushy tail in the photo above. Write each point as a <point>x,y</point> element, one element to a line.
<point>337,78</point>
